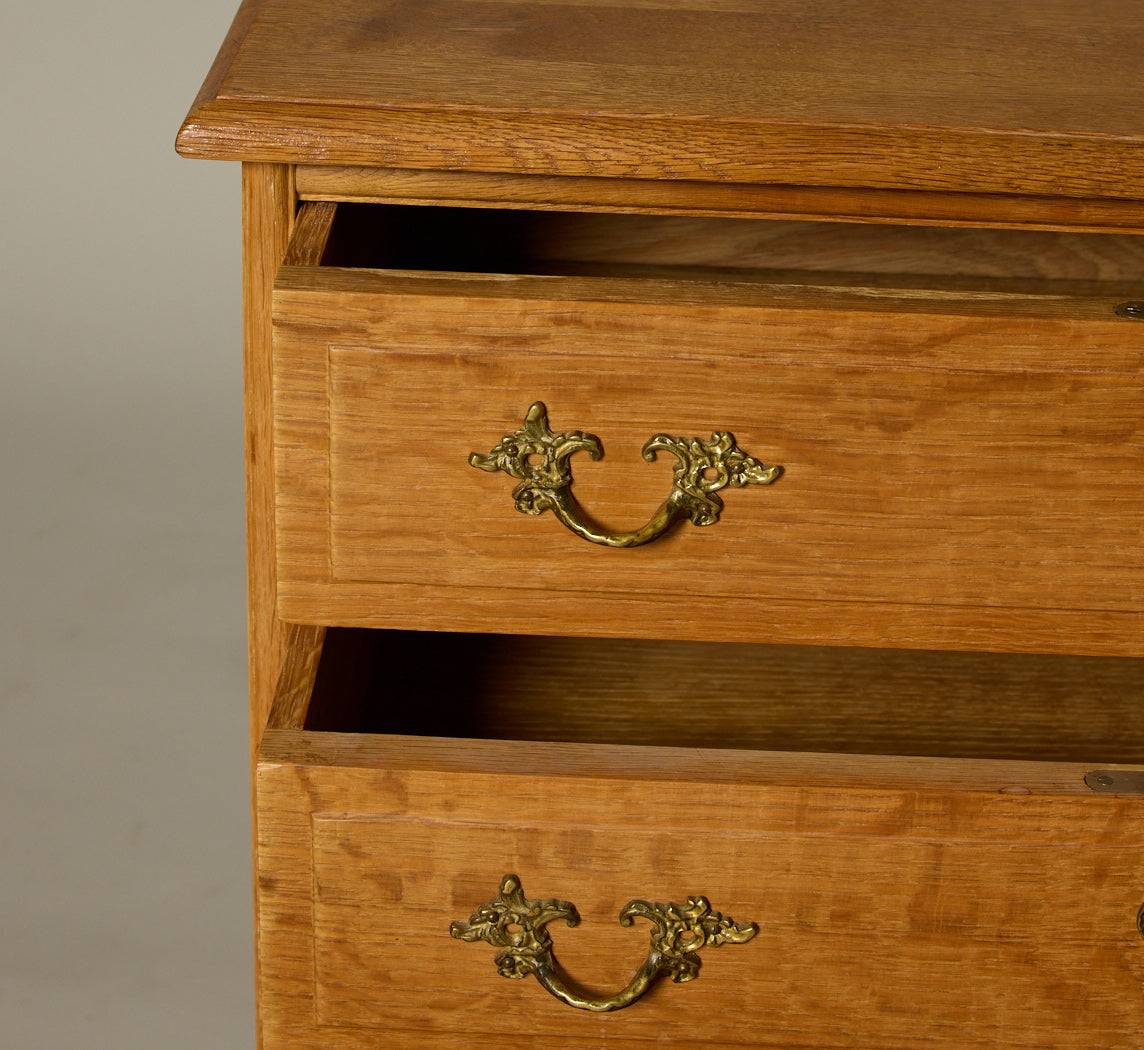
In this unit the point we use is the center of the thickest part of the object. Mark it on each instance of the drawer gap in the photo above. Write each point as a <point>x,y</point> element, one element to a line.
<point>493,240</point>
<point>730,695</point>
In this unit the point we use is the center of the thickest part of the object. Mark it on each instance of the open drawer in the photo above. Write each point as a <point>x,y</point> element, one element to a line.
<point>961,452</point>
<point>922,902</point>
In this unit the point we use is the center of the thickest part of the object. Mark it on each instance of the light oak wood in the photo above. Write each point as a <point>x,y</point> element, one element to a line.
<point>1001,919</point>
<point>915,99</point>
<point>949,449</point>
<point>227,52</point>
<point>268,206</point>
<point>618,195</point>
<point>797,622</point>
<point>836,247</point>
<point>951,161</point>
<point>683,58</point>
<point>998,898</point>
<point>295,690</point>
<point>268,214</point>
<point>310,237</point>
<point>925,209</point>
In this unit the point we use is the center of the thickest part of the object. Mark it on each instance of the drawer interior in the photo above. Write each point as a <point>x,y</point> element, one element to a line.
<point>1012,887</point>
<point>491,240</point>
<point>730,695</point>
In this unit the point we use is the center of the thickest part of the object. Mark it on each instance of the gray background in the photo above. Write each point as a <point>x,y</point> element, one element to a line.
<point>124,828</point>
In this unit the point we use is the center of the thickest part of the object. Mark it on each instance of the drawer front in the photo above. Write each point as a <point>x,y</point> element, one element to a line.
<point>919,919</point>
<point>901,903</point>
<point>956,473</point>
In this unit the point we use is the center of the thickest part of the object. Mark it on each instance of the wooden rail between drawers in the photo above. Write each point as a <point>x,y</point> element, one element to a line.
<point>643,196</point>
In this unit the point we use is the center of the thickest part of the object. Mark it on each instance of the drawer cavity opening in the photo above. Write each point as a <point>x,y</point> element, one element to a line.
<point>492,240</point>
<point>726,695</point>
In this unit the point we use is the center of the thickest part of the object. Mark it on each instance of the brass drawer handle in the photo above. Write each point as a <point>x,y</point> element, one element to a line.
<point>539,459</point>
<point>516,926</point>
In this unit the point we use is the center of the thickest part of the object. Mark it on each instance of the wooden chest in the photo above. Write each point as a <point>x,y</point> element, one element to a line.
<point>809,339</point>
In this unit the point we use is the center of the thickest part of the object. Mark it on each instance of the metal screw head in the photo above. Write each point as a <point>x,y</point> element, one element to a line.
<point>1116,781</point>
<point>1134,311</point>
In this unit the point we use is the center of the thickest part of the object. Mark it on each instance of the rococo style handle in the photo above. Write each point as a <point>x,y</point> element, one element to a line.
<point>538,458</point>
<point>517,927</point>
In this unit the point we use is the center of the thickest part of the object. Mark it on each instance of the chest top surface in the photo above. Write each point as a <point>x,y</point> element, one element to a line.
<point>1025,97</point>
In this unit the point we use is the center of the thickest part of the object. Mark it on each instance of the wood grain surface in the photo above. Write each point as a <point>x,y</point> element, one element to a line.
<point>268,216</point>
<point>294,693</point>
<point>903,902</point>
<point>958,411</point>
<point>899,916</point>
<point>949,448</point>
<point>980,97</point>
<point>832,204</point>
<point>268,206</point>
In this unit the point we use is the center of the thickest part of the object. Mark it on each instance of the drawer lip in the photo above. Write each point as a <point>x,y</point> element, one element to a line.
<point>452,756</point>
<point>286,742</point>
<point>1062,299</point>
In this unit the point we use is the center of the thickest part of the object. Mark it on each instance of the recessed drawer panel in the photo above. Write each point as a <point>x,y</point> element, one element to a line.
<point>922,902</point>
<point>960,467</point>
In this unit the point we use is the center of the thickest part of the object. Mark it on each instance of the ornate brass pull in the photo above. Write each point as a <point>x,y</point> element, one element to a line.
<point>516,926</point>
<point>539,459</point>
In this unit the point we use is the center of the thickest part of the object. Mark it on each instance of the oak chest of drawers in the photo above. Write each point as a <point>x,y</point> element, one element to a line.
<point>828,659</point>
